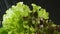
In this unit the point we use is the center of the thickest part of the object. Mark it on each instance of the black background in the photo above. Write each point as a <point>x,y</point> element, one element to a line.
<point>51,6</point>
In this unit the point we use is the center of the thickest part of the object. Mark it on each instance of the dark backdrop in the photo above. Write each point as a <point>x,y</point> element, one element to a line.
<point>52,6</point>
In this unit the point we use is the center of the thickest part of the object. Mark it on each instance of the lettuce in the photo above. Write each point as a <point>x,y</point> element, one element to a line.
<point>20,19</point>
